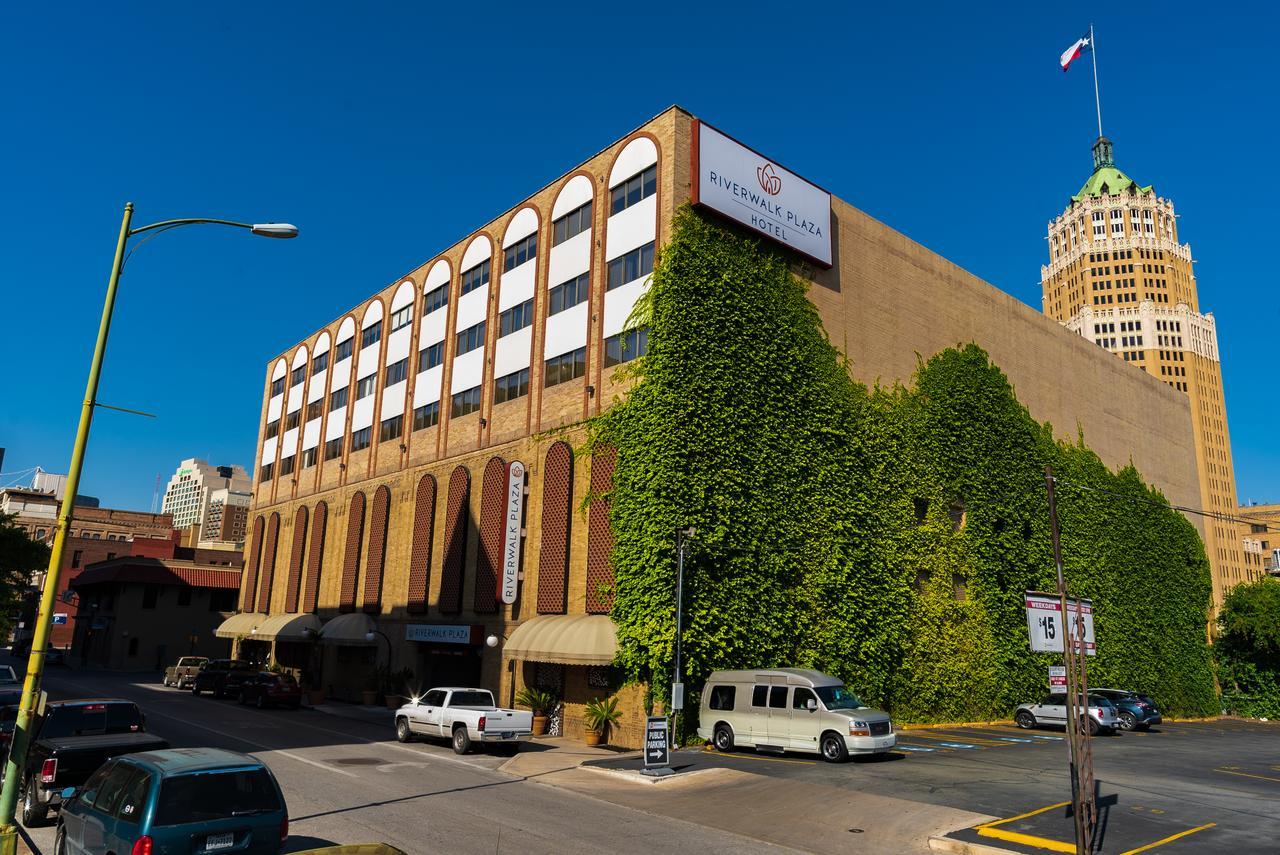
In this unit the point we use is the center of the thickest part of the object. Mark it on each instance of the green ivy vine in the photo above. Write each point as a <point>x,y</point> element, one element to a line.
<point>884,535</point>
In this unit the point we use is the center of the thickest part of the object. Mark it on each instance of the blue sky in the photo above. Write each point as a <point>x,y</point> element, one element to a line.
<point>388,132</point>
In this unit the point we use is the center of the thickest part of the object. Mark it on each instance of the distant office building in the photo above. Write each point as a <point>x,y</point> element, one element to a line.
<point>37,513</point>
<point>1260,538</point>
<point>227,515</point>
<point>51,482</point>
<point>189,494</point>
<point>1118,277</point>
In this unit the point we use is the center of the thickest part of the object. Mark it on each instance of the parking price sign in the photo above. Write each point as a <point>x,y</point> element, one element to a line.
<point>657,744</point>
<point>1047,627</point>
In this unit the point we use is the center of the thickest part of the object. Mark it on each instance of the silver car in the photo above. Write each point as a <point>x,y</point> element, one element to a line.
<point>1053,710</point>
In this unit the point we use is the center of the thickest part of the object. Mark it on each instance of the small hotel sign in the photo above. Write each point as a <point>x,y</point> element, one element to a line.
<point>753,190</point>
<point>438,633</point>
<point>510,582</point>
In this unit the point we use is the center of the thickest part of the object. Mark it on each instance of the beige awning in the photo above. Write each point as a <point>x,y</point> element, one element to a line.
<point>288,628</point>
<point>241,624</point>
<point>566,639</point>
<point>349,630</point>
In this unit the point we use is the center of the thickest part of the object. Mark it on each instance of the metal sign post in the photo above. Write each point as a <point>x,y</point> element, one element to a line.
<point>1079,746</point>
<point>657,747</point>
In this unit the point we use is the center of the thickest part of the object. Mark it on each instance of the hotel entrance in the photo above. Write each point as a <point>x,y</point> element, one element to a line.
<point>447,654</point>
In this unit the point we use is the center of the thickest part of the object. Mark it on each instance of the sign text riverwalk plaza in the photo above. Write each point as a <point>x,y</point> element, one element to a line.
<point>416,461</point>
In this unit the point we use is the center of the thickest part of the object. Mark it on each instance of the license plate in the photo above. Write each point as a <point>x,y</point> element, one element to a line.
<point>214,842</point>
<point>507,734</point>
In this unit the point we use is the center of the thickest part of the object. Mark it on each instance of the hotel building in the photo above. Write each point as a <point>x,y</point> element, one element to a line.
<point>1118,277</point>
<point>417,492</point>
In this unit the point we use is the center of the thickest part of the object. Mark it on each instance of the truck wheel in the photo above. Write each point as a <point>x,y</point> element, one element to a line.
<point>461,740</point>
<point>33,813</point>
<point>833,748</point>
<point>403,733</point>
<point>723,738</point>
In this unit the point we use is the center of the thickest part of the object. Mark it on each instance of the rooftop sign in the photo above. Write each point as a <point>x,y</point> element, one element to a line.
<point>747,187</point>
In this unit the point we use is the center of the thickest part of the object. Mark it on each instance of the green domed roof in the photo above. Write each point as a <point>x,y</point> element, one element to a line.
<point>1106,180</point>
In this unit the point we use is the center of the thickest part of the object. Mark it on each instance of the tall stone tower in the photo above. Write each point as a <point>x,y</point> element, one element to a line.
<point>1118,276</point>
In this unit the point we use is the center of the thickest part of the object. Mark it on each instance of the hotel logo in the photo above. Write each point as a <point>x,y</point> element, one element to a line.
<point>770,181</point>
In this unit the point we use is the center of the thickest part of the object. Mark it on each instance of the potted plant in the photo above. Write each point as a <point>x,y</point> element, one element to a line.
<point>394,687</point>
<point>598,717</point>
<point>541,703</point>
<point>311,686</point>
<point>369,695</point>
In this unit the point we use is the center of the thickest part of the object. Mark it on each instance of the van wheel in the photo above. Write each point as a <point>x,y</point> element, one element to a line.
<point>461,740</point>
<point>833,748</point>
<point>1024,720</point>
<point>723,738</point>
<point>60,841</point>
<point>403,733</point>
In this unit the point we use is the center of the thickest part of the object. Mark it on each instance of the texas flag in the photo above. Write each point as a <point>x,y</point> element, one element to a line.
<point>1082,45</point>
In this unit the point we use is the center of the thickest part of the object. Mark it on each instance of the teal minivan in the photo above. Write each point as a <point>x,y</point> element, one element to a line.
<point>183,801</point>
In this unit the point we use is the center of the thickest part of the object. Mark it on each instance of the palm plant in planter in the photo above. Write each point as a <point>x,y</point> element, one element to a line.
<point>395,683</point>
<point>598,717</point>
<point>541,703</point>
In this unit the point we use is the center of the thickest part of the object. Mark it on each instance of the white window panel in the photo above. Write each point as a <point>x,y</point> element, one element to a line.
<point>336,425</point>
<point>433,328</point>
<point>317,385</point>
<point>311,434</point>
<point>569,259</point>
<point>512,352</point>
<point>566,331</point>
<point>289,442</point>
<point>392,401</point>
<point>275,407</point>
<point>362,413</point>
<point>618,304</point>
<point>269,451</point>
<point>398,344</point>
<point>295,396</point>
<point>426,388</point>
<point>473,308</point>
<point>516,286</point>
<point>632,227</point>
<point>468,371</point>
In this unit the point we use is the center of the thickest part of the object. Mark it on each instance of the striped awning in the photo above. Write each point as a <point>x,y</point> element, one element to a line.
<point>565,639</point>
<point>238,625</point>
<point>350,629</point>
<point>304,627</point>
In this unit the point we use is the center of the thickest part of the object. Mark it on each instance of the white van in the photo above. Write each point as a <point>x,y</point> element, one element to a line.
<point>791,709</point>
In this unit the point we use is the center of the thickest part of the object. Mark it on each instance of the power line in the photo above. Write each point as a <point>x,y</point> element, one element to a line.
<point>1217,515</point>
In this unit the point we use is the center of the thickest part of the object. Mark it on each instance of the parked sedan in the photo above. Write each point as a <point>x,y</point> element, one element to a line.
<point>268,689</point>
<point>222,677</point>
<point>1136,712</point>
<point>1053,710</point>
<point>183,800</point>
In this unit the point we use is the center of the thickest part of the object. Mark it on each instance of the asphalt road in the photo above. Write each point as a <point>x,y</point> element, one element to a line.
<point>349,782</point>
<point>1216,784</point>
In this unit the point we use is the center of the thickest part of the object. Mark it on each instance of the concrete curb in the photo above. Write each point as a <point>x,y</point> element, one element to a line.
<point>636,778</point>
<point>963,847</point>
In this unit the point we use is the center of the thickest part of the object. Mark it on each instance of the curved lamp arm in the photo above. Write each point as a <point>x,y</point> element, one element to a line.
<point>275,230</point>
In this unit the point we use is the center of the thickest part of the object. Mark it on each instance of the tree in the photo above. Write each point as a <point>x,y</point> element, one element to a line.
<point>20,556</point>
<point>1248,649</point>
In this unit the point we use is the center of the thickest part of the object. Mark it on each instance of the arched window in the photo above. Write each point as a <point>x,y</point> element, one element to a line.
<point>315,557</point>
<point>295,560</point>
<point>251,572</point>
<point>377,549</point>
<point>557,514</point>
<point>455,541</point>
<point>492,531</point>
<point>268,564</point>
<point>351,557</point>
<point>599,535</point>
<point>424,515</point>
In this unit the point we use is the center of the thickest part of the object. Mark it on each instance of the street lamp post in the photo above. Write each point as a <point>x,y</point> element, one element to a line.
<point>369,636</point>
<point>677,685</point>
<point>44,618</point>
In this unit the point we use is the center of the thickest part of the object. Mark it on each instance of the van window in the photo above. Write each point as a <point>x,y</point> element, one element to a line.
<point>758,696</point>
<point>800,701</point>
<point>722,697</point>
<point>209,796</point>
<point>778,697</point>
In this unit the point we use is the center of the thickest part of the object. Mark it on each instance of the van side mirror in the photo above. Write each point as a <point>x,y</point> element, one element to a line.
<point>811,705</point>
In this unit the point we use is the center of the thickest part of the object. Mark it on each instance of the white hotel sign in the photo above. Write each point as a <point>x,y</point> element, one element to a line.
<point>753,190</point>
<point>510,583</point>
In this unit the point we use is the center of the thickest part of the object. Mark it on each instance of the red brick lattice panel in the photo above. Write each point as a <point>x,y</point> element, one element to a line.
<point>251,572</point>
<point>377,550</point>
<point>315,557</point>
<point>424,515</point>
<point>295,560</point>
<point>351,557</point>
<point>268,564</point>
<point>493,502</point>
<point>455,541</point>
<point>557,515</point>
<point>599,535</point>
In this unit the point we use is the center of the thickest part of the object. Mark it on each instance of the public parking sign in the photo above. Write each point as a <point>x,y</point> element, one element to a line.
<point>1057,679</point>
<point>657,744</point>
<point>1047,627</point>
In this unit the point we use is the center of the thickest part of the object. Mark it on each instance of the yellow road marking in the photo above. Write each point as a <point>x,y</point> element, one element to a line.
<point>1248,775</point>
<point>989,830</point>
<point>981,740</point>
<point>1169,839</point>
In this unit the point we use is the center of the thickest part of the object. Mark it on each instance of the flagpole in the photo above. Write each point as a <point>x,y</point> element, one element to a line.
<point>1097,101</point>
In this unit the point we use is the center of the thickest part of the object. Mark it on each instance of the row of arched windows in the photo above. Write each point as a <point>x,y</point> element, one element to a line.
<point>369,532</point>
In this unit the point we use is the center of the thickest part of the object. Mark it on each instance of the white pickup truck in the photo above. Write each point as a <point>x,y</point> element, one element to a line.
<point>465,716</point>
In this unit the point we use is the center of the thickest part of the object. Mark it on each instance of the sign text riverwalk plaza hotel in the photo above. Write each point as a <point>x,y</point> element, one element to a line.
<point>417,496</point>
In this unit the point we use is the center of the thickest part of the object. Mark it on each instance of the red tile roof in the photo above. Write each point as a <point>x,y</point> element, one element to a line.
<point>157,571</point>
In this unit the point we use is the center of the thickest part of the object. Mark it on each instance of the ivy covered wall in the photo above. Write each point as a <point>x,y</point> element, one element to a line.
<point>884,535</point>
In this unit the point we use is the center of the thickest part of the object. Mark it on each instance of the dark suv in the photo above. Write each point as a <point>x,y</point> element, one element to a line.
<point>222,678</point>
<point>1135,711</point>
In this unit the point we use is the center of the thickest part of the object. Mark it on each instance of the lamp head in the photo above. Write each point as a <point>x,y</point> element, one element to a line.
<point>491,641</point>
<point>275,230</point>
<point>368,636</point>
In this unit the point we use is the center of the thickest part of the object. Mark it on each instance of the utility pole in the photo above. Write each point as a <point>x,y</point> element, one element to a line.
<point>1079,747</point>
<point>677,683</point>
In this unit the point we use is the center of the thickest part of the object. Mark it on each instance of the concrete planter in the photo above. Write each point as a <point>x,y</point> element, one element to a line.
<point>594,737</point>
<point>540,722</point>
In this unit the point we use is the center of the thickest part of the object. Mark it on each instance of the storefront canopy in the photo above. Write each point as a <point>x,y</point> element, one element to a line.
<point>565,639</point>
<point>349,630</point>
<point>241,624</point>
<point>288,628</point>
